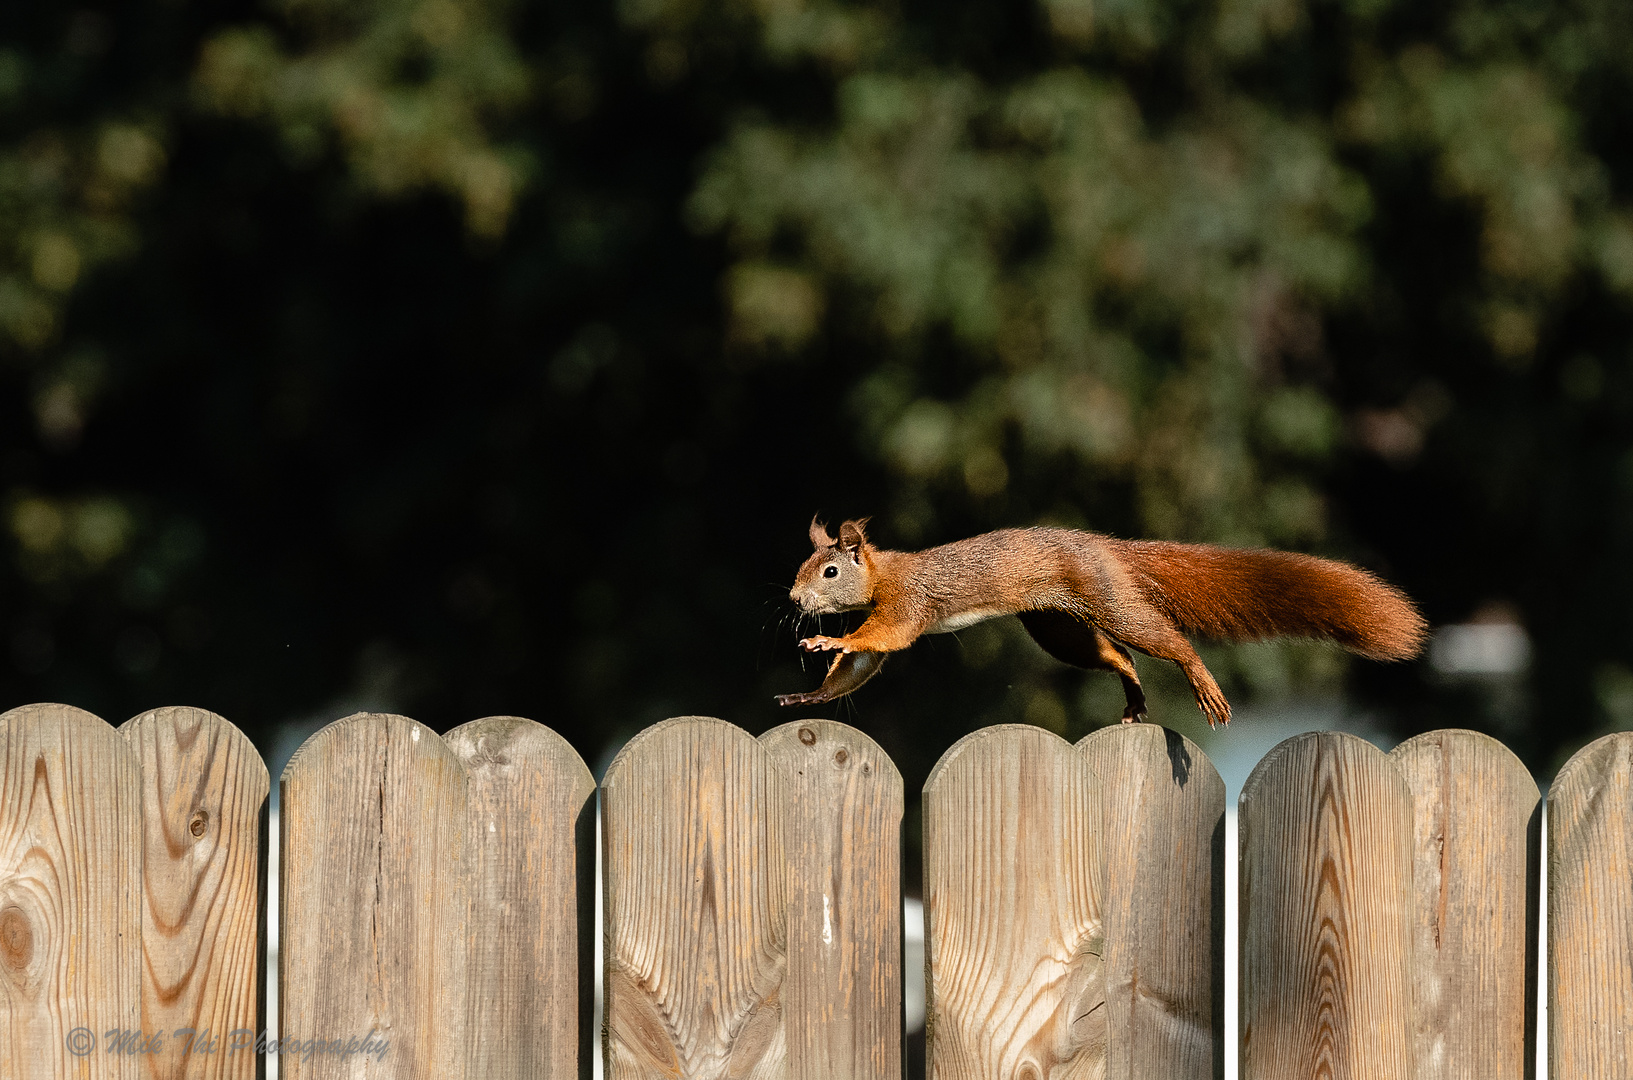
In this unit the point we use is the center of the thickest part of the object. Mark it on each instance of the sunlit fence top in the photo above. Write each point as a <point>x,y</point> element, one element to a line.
<point>437,904</point>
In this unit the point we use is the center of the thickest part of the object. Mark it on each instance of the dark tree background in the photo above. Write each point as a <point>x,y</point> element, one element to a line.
<point>459,357</point>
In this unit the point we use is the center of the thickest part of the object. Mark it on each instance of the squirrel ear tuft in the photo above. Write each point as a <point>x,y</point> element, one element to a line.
<point>851,536</point>
<point>819,535</point>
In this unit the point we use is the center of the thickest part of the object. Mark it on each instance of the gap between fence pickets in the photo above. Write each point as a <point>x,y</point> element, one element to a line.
<point>1593,788</point>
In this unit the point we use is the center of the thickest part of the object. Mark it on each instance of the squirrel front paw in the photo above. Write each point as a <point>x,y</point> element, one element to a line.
<point>823,644</point>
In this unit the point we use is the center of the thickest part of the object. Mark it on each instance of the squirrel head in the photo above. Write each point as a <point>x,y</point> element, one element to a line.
<point>839,576</point>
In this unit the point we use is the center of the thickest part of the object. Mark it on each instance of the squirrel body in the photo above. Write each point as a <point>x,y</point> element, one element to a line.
<point>1088,599</point>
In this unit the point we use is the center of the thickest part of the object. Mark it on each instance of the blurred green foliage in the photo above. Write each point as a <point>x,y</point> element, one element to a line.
<point>1134,237</point>
<point>409,91</point>
<point>490,350</point>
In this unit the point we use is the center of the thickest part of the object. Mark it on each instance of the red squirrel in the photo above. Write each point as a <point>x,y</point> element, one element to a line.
<point>1087,599</point>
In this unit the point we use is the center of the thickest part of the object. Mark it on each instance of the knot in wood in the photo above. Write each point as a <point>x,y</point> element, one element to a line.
<point>200,822</point>
<point>807,736</point>
<point>841,756</point>
<point>16,938</point>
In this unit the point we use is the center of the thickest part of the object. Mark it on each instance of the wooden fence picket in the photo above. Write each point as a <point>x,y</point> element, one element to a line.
<point>696,905</point>
<point>1477,822</point>
<point>532,859</point>
<point>203,819</point>
<point>842,837</point>
<point>1163,807</point>
<point>1326,921</point>
<point>372,900</point>
<point>1590,913</point>
<point>70,895</point>
<point>1013,860</point>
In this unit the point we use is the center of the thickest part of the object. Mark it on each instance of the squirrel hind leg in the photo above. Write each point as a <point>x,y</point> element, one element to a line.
<point>1119,660</point>
<point>1160,641</point>
<point>1073,641</point>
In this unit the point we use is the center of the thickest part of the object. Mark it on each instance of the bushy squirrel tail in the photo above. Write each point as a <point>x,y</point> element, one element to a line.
<point>1244,595</point>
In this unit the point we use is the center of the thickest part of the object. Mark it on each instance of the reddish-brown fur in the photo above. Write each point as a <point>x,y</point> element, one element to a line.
<point>1235,594</point>
<point>1087,599</point>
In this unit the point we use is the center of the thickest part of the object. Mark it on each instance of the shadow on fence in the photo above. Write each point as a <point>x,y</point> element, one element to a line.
<point>437,908</point>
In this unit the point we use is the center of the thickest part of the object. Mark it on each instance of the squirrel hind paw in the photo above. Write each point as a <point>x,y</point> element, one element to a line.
<point>1214,707</point>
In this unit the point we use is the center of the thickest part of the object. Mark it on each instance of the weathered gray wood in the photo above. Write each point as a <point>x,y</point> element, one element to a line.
<point>70,894</point>
<point>204,795</point>
<point>1012,870</point>
<point>842,824</point>
<point>373,900</point>
<point>1590,913</point>
<point>696,905</point>
<point>1326,920</point>
<point>1474,906</point>
<point>531,863</point>
<point>1164,908</point>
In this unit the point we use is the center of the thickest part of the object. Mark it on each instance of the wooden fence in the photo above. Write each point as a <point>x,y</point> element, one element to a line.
<point>436,904</point>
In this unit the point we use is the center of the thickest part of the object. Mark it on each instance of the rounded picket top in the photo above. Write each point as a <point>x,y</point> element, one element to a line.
<point>996,739</point>
<point>665,735</point>
<point>1590,911</point>
<point>192,742</point>
<point>1164,807</point>
<point>842,999</point>
<point>531,867</point>
<point>373,889</point>
<point>1150,744</point>
<point>841,746</point>
<point>1326,918</point>
<point>1476,817</point>
<point>1442,741</point>
<point>1600,759</point>
<point>204,802</point>
<point>507,745</point>
<point>1013,904</point>
<point>354,735</point>
<point>74,723</point>
<point>70,882</point>
<point>692,820</point>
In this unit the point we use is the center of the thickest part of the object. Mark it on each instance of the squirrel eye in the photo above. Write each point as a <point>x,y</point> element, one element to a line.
<point>831,571</point>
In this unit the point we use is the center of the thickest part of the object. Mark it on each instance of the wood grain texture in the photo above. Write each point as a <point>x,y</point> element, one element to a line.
<point>373,901</point>
<point>1164,907</point>
<point>1590,913</point>
<point>531,866</point>
<point>1012,871</point>
<point>204,796</point>
<point>842,825</point>
<point>1474,906</point>
<point>696,905</point>
<point>70,892</point>
<point>1326,922</point>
